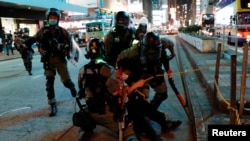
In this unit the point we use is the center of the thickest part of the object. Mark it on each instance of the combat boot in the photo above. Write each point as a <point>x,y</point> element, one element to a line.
<point>170,125</point>
<point>53,110</point>
<point>29,72</point>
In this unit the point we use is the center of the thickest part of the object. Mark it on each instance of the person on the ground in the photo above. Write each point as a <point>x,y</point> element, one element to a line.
<point>140,111</point>
<point>26,50</point>
<point>54,46</point>
<point>120,37</point>
<point>8,43</point>
<point>92,79</point>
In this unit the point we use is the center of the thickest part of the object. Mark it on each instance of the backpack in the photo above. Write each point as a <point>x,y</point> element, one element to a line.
<point>92,76</point>
<point>94,80</point>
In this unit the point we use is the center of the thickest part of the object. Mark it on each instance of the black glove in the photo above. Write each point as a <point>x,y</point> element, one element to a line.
<point>81,93</point>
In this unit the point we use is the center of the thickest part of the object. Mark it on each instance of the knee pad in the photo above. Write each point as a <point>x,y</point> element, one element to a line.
<point>50,82</point>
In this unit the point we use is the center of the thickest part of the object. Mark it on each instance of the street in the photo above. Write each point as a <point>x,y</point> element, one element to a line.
<point>24,109</point>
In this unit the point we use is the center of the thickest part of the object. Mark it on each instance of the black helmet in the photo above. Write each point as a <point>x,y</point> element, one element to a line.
<point>95,49</point>
<point>53,11</point>
<point>26,30</point>
<point>141,30</point>
<point>122,19</point>
<point>151,47</point>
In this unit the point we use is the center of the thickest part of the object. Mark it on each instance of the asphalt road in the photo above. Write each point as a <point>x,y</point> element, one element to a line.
<point>24,109</point>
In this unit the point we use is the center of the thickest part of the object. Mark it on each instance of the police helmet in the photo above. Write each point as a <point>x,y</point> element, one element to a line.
<point>141,30</point>
<point>26,30</point>
<point>95,49</point>
<point>151,46</point>
<point>122,19</point>
<point>53,11</point>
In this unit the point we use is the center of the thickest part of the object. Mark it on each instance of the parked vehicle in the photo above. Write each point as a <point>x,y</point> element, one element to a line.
<point>96,30</point>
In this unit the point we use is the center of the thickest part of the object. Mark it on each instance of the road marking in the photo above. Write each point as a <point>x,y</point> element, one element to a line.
<point>14,110</point>
<point>37,76</point>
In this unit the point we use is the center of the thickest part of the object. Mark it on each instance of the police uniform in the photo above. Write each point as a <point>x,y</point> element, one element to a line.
<point>144,60</point>
<point>26,50</point>
<point>54,46</point>
<point>92,82</point>
<point>150,68</point>
<point>119,38</point>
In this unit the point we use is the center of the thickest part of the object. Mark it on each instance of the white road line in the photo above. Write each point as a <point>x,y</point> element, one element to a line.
<point>14,110</point>
<point>37,76</point>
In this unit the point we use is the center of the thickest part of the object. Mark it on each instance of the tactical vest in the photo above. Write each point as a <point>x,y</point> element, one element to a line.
<point>96,83</point>
<point>25,51</point>
<point>121,42</point>
<point>152,67</point>
<point>49,42</point>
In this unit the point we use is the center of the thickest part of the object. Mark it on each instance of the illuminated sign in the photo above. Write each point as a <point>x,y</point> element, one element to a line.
<point>245,4</point>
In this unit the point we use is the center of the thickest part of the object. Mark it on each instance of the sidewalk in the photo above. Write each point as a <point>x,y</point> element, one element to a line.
<point>205,63</point>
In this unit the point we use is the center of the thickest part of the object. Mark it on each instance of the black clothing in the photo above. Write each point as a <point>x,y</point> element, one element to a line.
<point>54,44</point>
<point>26,52</point>
<point>2,39</point>
<point>92,86</point>
<point>8,43</point>
<point>117,41</point>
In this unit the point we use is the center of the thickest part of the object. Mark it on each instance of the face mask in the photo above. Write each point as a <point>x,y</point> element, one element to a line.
<point>52,22</point>
<point>93,51</point>
<point>124,76</point>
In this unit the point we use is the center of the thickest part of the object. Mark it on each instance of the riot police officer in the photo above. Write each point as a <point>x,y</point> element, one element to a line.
<point>151,54</point>
<point>147,58</point>
<point>119,38</point>
<point>92,79</point>
<point>25,50</point>
<point>54,46</point>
